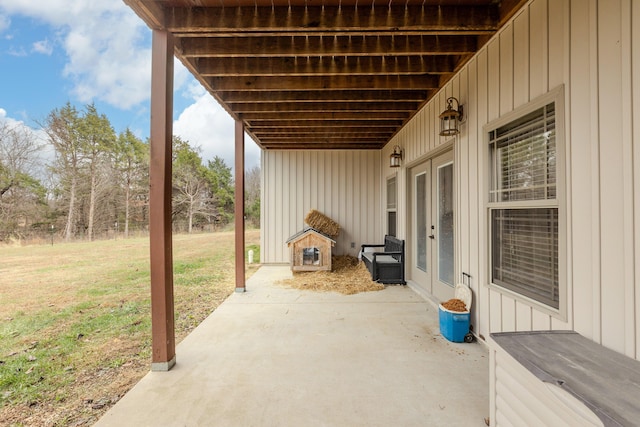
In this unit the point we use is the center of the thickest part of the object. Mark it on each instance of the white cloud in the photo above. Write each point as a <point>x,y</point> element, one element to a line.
<point>207,125</point>
<point>107,46</point>
<point>181,76</point>
<point>43,46</point>
<point>20,52</point>
<point>12,123</point>
<point>5,23</point>
<point>194,90</point>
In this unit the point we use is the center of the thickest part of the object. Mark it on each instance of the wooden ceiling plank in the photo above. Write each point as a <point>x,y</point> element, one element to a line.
<point>294,132</point>
<point>324,115</point>
<point>320,124</point>
<point>324,138</point>
<point>332,18</point>
<point>324,145</point>
<point>311,96</point>
<point>375,139</point>
<point>302,46</point>
<point>325,107</point>
<point>282,34</point>
<point>347,139</point>
<point>310,66</point>
<point>424,82</point>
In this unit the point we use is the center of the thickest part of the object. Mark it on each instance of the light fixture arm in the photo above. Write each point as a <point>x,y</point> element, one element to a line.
<point>459,108</point>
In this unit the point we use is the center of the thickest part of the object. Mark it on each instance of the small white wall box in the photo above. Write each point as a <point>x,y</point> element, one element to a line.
<point>310,250</point>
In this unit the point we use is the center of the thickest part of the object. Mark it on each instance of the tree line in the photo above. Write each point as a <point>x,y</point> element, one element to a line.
<point>85,181</point>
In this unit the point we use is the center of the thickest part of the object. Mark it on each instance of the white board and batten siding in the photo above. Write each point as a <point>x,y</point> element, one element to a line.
<point>590,49</point>
<point>344,185</point>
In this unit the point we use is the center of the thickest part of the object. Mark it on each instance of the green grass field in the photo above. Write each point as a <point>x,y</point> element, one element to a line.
<point>75,320</point>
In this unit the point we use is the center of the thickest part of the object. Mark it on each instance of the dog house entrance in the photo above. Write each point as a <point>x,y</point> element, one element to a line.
<point>310,256</point>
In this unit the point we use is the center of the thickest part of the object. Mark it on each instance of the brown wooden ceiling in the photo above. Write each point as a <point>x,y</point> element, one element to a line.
<point>325,74</point>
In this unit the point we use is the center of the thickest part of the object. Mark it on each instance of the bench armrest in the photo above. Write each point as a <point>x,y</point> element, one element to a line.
<point>386,253</point>
<point>372,246</point>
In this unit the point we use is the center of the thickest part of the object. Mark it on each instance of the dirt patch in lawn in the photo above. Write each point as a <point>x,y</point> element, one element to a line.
<point>348,276</point>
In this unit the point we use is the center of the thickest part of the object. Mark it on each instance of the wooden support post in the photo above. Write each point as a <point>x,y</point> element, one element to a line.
<point>161,251</point>
<point>239,206</point>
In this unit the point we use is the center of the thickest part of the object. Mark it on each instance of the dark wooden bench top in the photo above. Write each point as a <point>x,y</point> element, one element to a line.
<point>607,382</point>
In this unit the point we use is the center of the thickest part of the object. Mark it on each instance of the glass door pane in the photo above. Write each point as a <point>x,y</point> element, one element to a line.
<point>421,221</point>
<point>445,223</point>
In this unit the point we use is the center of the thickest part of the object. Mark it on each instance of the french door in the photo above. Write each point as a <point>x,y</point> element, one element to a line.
<point>432,226</point>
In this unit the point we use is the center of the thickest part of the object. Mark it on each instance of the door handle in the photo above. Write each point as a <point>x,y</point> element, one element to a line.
<point>432,237</point>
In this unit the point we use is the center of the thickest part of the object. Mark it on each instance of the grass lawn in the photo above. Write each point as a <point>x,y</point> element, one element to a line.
<point>75,325</point>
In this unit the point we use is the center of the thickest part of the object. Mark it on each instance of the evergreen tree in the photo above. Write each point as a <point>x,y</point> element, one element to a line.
<point>97,141</point>
<point>221,186</point>
<point>131,162</point>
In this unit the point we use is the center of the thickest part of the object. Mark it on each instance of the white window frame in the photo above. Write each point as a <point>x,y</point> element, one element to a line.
<point>555,96</point>
<point>391,208</point>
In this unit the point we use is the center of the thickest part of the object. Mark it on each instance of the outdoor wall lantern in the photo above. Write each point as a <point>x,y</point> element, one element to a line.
<point>450,118</point>
<point>395,157</point>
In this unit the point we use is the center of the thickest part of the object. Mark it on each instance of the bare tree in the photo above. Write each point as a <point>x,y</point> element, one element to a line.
<point>61,126</point>
<point>21,195</point>
<point>189,184</point>
<point>19,155</point>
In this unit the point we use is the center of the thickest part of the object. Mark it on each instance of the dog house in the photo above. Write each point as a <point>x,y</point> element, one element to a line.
<point>310,250</point>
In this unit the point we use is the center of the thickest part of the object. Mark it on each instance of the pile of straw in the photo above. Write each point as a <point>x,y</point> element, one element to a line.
<point>347,276</point>
<point>322,223</point>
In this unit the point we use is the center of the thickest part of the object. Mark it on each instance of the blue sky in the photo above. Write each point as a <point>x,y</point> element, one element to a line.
<point>83,51</point>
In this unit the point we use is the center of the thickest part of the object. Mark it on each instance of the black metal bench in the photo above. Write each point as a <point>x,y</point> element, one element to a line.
<point>387,265</point>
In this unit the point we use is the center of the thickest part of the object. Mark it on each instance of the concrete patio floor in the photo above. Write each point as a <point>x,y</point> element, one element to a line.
<point>281,357</point>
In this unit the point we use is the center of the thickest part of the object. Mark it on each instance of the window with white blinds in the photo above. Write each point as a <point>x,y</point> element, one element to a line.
<point>524,207</point>
<point>523,157</point>
<point>525,252</point>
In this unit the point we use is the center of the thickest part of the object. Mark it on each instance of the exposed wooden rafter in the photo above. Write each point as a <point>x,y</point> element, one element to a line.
<point>324,83</point>
<point>327,66</point>
<point>325,46</point>
<point>233,97</point>
<point>480,19</point>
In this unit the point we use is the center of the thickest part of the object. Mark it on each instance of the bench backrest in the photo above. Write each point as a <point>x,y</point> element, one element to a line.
<point>392,244</point>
